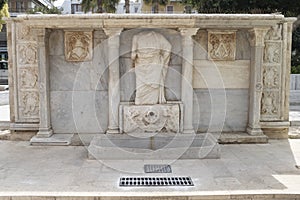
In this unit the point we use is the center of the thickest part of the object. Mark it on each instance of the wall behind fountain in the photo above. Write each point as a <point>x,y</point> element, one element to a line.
<point>78,90</point>
<point>221,86</point>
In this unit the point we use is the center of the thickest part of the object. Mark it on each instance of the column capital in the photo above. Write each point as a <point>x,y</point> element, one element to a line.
<point>111,32</point>
<point>188,31</point>
<point>257,36</point>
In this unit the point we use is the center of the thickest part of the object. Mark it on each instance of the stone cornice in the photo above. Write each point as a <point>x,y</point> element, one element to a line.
<point>152,20</point>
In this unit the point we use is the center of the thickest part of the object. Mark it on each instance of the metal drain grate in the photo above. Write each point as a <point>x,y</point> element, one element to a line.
<point>155,181</point>
<point>157,169</point>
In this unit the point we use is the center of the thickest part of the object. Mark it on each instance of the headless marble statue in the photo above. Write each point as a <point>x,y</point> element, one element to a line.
<point>151,55</point>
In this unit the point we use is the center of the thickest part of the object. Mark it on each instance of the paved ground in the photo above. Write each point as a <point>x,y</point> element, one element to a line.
<point>4,99</point>
<point>243,169</point>
<point>4,109</point>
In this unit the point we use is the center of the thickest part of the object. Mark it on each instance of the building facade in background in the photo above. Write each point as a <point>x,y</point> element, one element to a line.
<point>172,7</point>
<point>17,7</point>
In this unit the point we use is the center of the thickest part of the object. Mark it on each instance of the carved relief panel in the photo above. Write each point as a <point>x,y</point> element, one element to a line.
<point>270,103</point>
<point>272,52</point>
<point>221,45</point>
<point>29,104</point>
<point>27,96</point>
<point>272,59</point>
<point>27,54</point>
<point>24,33</point>
<point>271,76</point>
<point>28,77</point>
<point>78,46</point>
<point>154,118</point>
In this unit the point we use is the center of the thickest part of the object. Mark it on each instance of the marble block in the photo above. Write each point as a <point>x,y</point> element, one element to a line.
<point>167,146</point>
<point>150,118</point>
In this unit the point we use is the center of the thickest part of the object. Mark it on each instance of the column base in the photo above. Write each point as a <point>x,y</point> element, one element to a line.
<point>254,131</point>
<point>112,131</point>
<point>188,131</point>
<point>44,133</point>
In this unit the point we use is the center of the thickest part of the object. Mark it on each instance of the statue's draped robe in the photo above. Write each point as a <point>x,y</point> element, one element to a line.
<point>151,55</point>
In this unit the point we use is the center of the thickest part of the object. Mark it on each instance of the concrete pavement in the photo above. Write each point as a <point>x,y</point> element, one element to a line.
<point>252,171</point>
<point>4,110</point>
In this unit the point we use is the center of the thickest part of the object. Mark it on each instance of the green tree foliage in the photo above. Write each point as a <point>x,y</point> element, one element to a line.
<point>99,6</point>
<point>3,13</point>
<point>44,10</point>
<point>156,3</point>
<point>296,51</point>
<point>2,3</point>
<point>286,7</point>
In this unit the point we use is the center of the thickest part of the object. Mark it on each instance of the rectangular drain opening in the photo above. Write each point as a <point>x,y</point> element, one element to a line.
<point>155,181</point>
<point>157,169</point>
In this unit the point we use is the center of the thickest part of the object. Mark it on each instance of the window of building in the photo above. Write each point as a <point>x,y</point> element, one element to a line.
<point>76,8</point>
<point>188,9</point>
<point>136,9</point>
<point>3,56</point>
<point>170,9</point>
<point>19,6</point>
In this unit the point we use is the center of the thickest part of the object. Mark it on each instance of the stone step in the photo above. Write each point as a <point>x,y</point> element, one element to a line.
<point>158,146</point>
<point>241,138</point>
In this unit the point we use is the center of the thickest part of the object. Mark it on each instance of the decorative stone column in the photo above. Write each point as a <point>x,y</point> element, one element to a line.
<point>187,78</point>
<point>256,66</point>
<point>45,129</point>
<point>114,79</point>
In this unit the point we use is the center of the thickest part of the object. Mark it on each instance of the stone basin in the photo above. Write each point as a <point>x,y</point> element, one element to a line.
<point>158,146</point>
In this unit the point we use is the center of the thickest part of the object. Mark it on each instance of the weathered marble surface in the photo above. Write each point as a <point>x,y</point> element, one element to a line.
<point>235,107</point>
<point>221,74</point>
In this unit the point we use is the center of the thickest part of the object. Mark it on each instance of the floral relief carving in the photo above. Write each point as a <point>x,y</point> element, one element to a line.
<point>221,45</point>
<point>27,54</point>
<point>274,33</point>
<point>24,33</point>
<point>269,103</point>
<point>271,77</point>
<point>30,102</point>
<point>154,118</point>
<point>272,52</point>
<point>78,46</point>
<point>28,77</point>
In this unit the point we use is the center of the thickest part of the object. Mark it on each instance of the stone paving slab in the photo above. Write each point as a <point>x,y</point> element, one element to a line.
<point>4,113</point>
<point>247,169</point>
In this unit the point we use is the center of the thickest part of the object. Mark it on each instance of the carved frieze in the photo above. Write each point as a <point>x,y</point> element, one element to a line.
<point>151,118</point>
<point>28,77</point>
<point>29,101</point>
<point>272,52</point>
<point>27,54</point>
<point>270,104</point>
<point>78,46</point>
<point>221,45</point>
<point>271,77</point>
<point>25,33</point>
<point>274,33</point>
<point>272,59</point>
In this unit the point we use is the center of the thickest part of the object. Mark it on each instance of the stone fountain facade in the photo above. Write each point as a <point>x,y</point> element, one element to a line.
<point>74,75</point>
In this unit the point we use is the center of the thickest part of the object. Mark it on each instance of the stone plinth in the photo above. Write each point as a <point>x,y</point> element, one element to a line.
<point>153,146</point>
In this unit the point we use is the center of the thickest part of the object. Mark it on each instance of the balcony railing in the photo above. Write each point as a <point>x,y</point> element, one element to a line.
<point>19,10</point>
